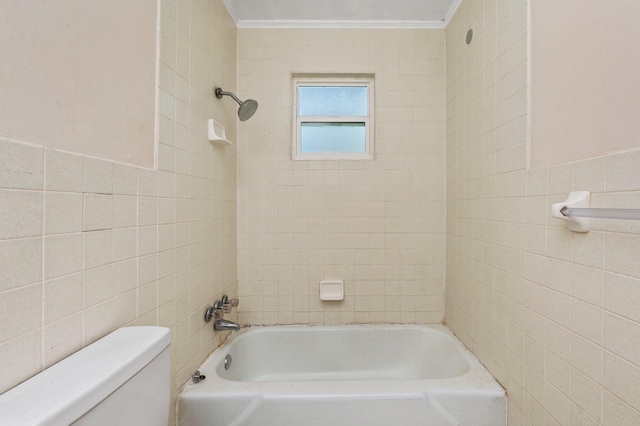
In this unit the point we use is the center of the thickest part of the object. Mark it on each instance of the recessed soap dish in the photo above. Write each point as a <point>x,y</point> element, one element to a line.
<point>331,290</point>
<point>217,133</point>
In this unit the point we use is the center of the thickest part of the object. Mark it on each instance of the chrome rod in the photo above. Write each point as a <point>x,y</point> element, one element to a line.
<point>625,214</point>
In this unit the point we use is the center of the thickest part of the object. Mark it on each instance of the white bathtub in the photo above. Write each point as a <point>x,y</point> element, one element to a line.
<point>343,376</point>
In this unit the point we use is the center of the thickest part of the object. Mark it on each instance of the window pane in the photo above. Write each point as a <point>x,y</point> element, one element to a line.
<point>332,137</point>
<point>332,101</point>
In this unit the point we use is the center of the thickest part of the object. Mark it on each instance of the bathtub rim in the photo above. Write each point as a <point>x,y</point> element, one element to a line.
<point>477,380</point>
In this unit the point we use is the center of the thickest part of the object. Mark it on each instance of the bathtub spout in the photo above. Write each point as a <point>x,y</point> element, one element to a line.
<point>225,325</point>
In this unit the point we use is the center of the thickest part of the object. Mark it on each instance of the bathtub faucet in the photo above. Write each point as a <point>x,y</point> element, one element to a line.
<point>217,312</point>
<point>221,307</point>
<point>225,325</point>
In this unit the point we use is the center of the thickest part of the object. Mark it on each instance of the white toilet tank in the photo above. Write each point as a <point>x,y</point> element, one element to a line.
<point>122,379</point>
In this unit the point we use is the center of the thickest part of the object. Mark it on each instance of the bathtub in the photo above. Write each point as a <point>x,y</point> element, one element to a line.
<point>343,376</point>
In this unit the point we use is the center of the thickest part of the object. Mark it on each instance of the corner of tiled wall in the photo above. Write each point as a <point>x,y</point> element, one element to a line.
<point>553,314</point>
<point>89,245</point>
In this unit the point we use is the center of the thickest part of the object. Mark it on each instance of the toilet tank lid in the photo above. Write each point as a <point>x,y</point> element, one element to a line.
<point>67,390</point>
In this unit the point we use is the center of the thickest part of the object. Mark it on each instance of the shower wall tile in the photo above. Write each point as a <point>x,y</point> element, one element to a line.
<point>22,357</point>
<point>65,172</point>
<point>62,212</point>
<point>124,179</point>
<point>89,245</point>
<point>62,297</point>
<point>22,262</point>
<point>20,302</point>
<point>98,212</point>
<point>62,338</point>
<point>21,166</point>
<point>63,255</point>
<point>553,314</point>
<point>98,176</point>
<point>378,225</point>
<point>20,214</point>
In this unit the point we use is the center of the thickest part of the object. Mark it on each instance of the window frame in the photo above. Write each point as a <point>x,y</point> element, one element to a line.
<point>368,120</point>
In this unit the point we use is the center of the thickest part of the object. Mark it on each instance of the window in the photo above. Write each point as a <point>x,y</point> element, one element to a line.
<point>333,118</point>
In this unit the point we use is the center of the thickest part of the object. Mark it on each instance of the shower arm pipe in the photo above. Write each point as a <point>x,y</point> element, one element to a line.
<point>601,213</point>
<point>220,93</point>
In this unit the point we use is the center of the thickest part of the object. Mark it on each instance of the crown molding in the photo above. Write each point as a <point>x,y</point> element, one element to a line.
<point>232,12</point>
<point>452,11</point>
<point>430,24</point>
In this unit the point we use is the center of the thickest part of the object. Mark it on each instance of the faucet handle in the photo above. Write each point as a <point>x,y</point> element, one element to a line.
<point>214,312</point>
<point>234,302</point>
<point>226,304</point>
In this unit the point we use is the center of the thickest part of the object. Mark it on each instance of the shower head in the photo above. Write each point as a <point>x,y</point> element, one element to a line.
<point>246,109</point>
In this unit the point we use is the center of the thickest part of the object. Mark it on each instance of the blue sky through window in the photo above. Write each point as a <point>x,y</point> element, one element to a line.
<point>332,137</point>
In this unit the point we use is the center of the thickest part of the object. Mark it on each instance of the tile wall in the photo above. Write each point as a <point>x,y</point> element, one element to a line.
<point>88,245</point>
<point>378,225</point>
<point>553,314</point>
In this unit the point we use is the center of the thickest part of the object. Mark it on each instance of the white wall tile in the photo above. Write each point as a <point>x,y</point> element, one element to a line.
<point>587,358</point>
<point>98,285</point>
<point>22,262</point>
<point>587,321</point>
<point>62,297</point>
<point>622,337</point>
<point>63,213</point>
<point>21,166</point>
<point>125,179</point>
<point>98,212</point>
<point>147,211</point>
<point>63,172</point>
<point>98,248</point>
<point>62,255</point>
<point>621,378</point>
<point>617,412</point>
<point>125,276</point>
<point>622,296</point>
<point>125,211</point>
<point>98,176</point>
<point>62,338</point>
<point>22,358</point>
<point>125,245</point>
<point>622,254</point>
<point>587,394</point>
<point>97,321</point>
<point>20,214</point>
<point>18,313</point>
<point>125,308</point>
<point>147,240</point>
<point>147,183</point>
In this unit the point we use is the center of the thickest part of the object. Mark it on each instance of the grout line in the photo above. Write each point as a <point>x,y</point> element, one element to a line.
<point>42,295</point>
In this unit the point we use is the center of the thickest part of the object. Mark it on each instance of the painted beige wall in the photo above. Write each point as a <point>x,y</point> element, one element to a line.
<point>90,245</point>
<point>80,76</point>
<point>378,225</point>
<point>585,62</point>
<point>553,314</point>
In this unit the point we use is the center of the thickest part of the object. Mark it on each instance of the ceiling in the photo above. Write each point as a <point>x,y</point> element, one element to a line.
<point>342,13</point>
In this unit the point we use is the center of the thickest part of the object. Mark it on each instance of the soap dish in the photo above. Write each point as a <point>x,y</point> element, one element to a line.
<point>331,290</point>
<point>217,133</point>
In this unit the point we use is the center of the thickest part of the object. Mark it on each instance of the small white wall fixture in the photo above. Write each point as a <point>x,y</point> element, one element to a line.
<point>331,290</point>
<point>576,199</point>
<point>216,133</point>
